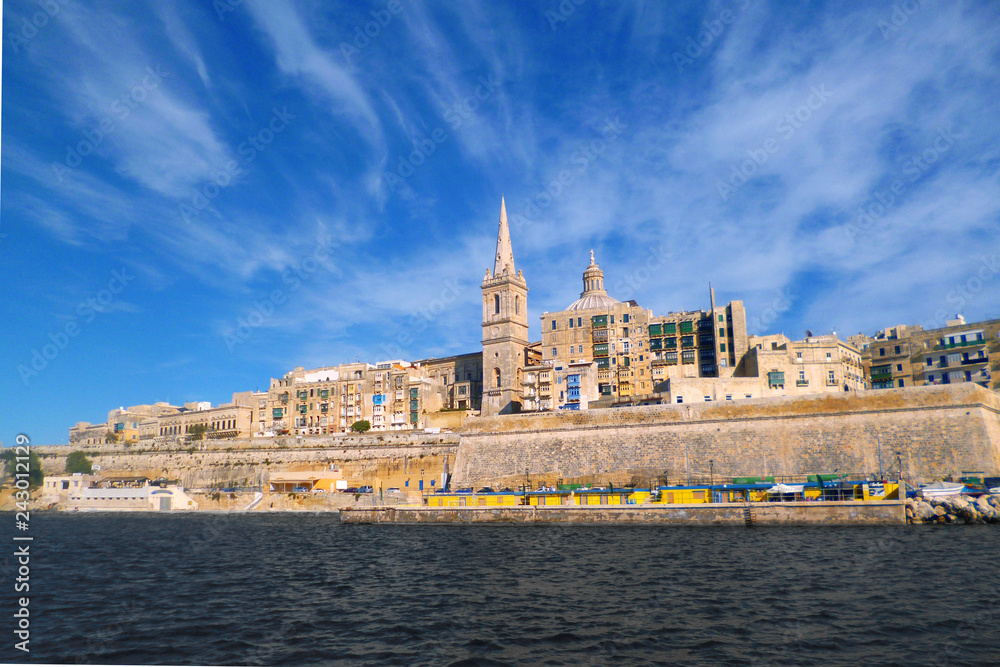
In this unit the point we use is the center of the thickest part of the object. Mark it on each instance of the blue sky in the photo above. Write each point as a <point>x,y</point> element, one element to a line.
<point>197,197</point>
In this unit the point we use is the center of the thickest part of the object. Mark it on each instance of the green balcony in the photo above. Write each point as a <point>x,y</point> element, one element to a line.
<point>599,321</point>
<point>655,343</point>
<point>601,350</point>
<point>669,328</point>
<point>687,341</point>
<point>655,329</point>
<point>669,343</point>
<point>968,343</point>
<point>687,327</point>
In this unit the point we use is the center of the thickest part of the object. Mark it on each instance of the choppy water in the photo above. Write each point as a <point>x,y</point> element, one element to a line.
<point>295,589</point>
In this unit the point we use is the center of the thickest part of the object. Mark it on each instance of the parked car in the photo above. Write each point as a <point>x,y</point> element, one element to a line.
<point>365,489</point>
<point>351,489</point>
<point>485,489</point>
<point>393,489</point>
<point>300,489</point>
<point>466,490</point>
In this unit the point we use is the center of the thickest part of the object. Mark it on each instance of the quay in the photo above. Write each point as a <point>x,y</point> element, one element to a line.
<point>874,512</point>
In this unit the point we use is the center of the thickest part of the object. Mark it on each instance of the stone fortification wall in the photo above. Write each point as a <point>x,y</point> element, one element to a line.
<point>936,430</point>
<point>237,462</point>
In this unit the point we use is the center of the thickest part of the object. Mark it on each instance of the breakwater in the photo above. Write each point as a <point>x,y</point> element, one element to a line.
<point>954,509</point>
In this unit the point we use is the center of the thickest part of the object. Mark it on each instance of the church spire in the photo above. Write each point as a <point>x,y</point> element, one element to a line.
<point>505,254</point>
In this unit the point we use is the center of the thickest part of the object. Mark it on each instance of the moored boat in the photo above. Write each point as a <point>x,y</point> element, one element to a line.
<point>940,489</point>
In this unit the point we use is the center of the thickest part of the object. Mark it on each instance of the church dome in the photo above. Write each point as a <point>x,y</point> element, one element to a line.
<point>594,295</point>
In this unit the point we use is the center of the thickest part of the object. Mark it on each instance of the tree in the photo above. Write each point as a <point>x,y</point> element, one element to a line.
<point>198,431</point>
<point>78,462</point>
<point>361,426</point>
<point>110,436</point>
<point>35,474</point>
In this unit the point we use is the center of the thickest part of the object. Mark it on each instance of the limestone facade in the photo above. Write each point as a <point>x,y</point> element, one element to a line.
<point>908,356</point>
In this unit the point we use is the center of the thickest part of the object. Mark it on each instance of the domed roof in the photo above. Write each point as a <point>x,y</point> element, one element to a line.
<point>594,294</point>
<point>591,301</point>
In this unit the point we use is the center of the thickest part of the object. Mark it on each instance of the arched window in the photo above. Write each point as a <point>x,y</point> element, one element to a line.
<point>496,304</point>
<point>517,305</point>
<point>496,378</point>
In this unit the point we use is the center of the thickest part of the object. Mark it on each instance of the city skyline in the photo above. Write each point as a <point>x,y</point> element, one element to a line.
<point>340,196</point>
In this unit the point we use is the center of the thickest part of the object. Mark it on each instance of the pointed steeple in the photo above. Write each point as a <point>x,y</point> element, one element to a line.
<point>505,254</point>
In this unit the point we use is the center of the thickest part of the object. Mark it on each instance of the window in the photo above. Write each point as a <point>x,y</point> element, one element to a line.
<point>496,304</point>
<point>722,347</point>
<point>900,382</point>
<point>830,377</point>
<point>897,349</point>
<point>496,378</point>
<point>517,305</point>
<point>579,321</point>
<point>612,320</point>
<point>722,332</point>
<point>624,332</point>
<point>721,319</point>
<point>930,362</point>
<point>930,378</point>
<point>680,399</point>
<point>571,323</point>
<point>729,397</point>
<point>708,399</point>
<point>881,352</point>
<point>899,367</point>
<point>798,356</point>
<point>802,376</point>
<point>749,396</point>
<point>828,355</point>
<point>554,353</point>
<point>625,319</point>
<point>553,325</point>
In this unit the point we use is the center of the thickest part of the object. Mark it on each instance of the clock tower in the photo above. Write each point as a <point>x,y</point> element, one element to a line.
<point>505,328</point>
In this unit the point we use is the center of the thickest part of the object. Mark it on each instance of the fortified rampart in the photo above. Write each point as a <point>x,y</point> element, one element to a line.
<point>936,431</point>
<point>246,462</point>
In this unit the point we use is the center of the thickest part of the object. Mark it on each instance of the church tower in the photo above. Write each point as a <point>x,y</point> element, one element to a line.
<point>505,328</point>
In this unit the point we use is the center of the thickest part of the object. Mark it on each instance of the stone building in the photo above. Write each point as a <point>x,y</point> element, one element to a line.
<point>505,328</point>
<point>390,395</point>
<point>461,376</point>
<point>816,364</point>
<point>909,355</point>
<point>131,424</point>
<point>559,386</point>
<point>636,352</point>
<point>229,420</point>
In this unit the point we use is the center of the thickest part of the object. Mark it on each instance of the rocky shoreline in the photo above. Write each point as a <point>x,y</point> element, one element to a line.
<point>954,509</point>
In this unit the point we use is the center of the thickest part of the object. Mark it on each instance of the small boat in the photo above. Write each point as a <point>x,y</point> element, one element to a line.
<point>995,489</point>
<point>939,489</point>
